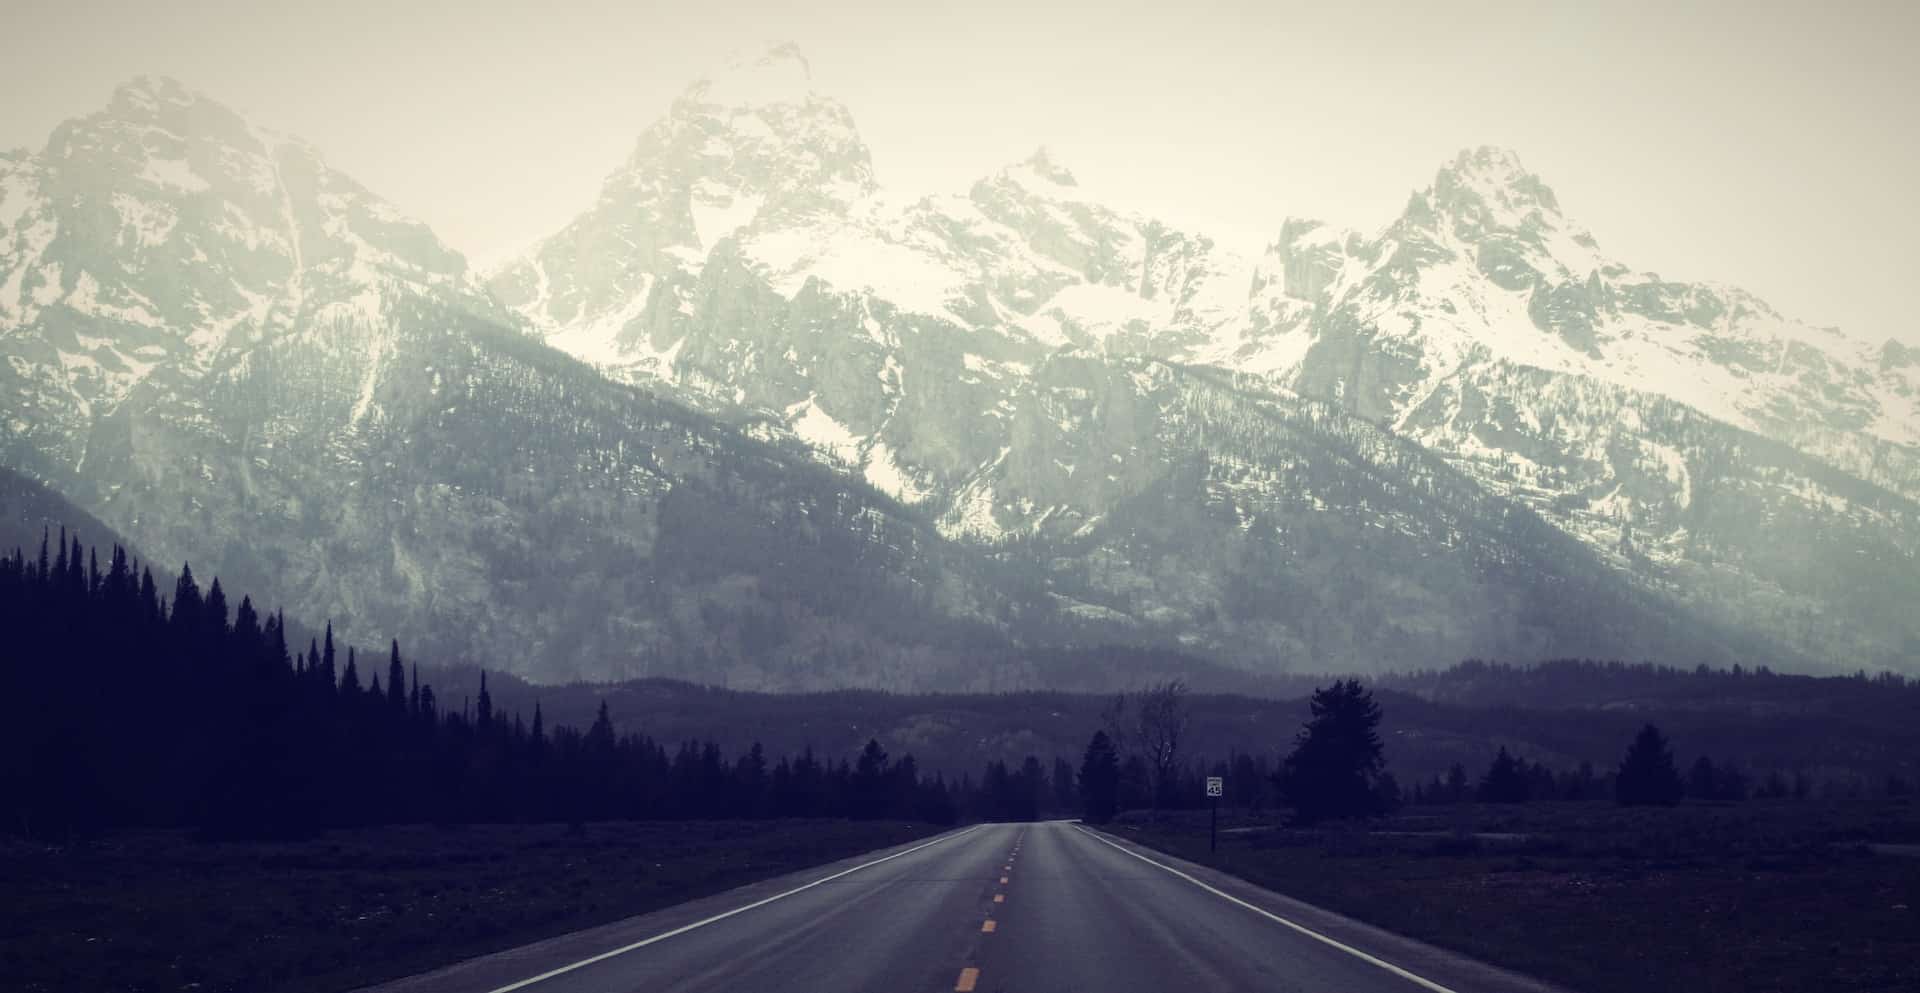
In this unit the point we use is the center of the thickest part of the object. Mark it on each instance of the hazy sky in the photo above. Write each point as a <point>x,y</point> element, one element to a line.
<point>1771,146</point>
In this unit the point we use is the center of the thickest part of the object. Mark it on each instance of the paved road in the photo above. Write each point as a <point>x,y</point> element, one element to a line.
<point>1048,908</point>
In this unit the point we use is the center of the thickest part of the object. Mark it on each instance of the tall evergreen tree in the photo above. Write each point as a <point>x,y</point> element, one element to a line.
<point>1337,756</point>
<point>186,602</point>
<point>1099,780</point>
<point>1505,782</point>
<point>214,611</point>
<point>327,676</point>
<point>149,596</point>
<point>869,781</point>
<point>396,681</point>
<point>1648,776</point>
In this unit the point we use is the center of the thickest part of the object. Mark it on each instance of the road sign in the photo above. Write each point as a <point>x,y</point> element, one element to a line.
<point>1216,786</point>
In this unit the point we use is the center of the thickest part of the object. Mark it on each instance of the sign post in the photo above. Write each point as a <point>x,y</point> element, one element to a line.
<point>1215,787</point>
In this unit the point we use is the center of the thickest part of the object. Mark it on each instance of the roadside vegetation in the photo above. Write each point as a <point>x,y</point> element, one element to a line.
<point>1638,878</point>
<point>153,911</point>
<point>1775,895</point>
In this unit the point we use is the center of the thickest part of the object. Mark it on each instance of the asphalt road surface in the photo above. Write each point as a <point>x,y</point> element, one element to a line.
<point>1048,908</point>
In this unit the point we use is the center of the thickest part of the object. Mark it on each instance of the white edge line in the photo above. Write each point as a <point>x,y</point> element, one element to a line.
<point>1276,918</point>
<point>684,928</point>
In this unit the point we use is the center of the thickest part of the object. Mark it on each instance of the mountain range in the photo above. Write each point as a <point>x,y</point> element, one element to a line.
<point>754,418</point>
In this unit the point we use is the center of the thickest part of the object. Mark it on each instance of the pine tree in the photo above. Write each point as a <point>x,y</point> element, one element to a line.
<point>1647,775</point>
<point>869,782</point>
<point>149,596</point>
<point>1336,758</point>
<point>186,602</point>
<point>600,736</point>
<point>1505,782</point>
<point>326,674</point>
<point>277,640</point>
<point>214,612</point>
<point>396,681</point>
<point>246,630</point>
<point>1099,780</point>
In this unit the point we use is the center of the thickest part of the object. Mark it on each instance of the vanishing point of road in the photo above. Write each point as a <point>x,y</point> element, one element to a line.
<point>1008,908</point>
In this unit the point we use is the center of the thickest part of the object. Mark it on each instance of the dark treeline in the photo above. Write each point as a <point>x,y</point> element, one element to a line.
<point>134,707</point>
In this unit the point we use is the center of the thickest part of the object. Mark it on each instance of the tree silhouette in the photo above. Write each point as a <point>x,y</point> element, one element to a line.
<point>146,717</point>
<point>1099,780</point>
<point>1337,756</point>
<point>869,782</point>
<point>1648,776</point>
<point>1505,781</point>
<point>396,681</point>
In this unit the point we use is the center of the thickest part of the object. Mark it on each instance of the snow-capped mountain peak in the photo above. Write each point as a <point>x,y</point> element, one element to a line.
<point>752,148</point>
<point>1496,178</point>
<point>1042,165</point>
<point>168,234</point>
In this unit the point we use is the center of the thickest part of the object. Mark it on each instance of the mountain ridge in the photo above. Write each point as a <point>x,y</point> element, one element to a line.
<point>999,420</point>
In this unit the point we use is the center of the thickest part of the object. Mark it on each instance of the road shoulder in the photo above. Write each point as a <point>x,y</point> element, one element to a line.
<point>1449,970</point>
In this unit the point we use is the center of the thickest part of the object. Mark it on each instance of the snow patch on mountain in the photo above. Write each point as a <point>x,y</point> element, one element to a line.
<point>819,429</point>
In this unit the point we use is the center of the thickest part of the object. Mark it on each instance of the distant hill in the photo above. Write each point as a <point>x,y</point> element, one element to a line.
<point>1563,714</point>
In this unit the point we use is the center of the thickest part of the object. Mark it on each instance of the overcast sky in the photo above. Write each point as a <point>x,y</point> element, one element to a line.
<point>1772,146</point>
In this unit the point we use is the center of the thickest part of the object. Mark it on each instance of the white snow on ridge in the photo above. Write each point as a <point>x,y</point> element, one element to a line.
<point>148,222</point>
<point>971,516</point>
<point>883,473</point>
<point>818,429</point>
<point>18,194</point>
<point>719,212</point>
<point>1102,310</point>
<point>173,174</point>
<point>85,299</point>
<point>848,259</point>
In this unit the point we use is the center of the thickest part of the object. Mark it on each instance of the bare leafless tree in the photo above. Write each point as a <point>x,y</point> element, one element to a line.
<point>1162,725</point>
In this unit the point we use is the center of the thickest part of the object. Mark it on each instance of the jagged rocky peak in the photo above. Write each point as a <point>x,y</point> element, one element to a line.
<point>149,97</point>
<point>166,230</point>
<point>1043,165</point>
<point>760,125</point>
<point>1305,260</point>
<point>1493,179</point>
<point>753,147</point>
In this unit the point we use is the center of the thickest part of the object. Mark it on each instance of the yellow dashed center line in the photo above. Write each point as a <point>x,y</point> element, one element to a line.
<point>989,926</point>
<point>968,977</point>
<point>999,898</point>
<point>1003,880</point>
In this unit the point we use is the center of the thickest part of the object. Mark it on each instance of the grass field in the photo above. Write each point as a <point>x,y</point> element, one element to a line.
<point>158,912</point>
<point>1755,897</point>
